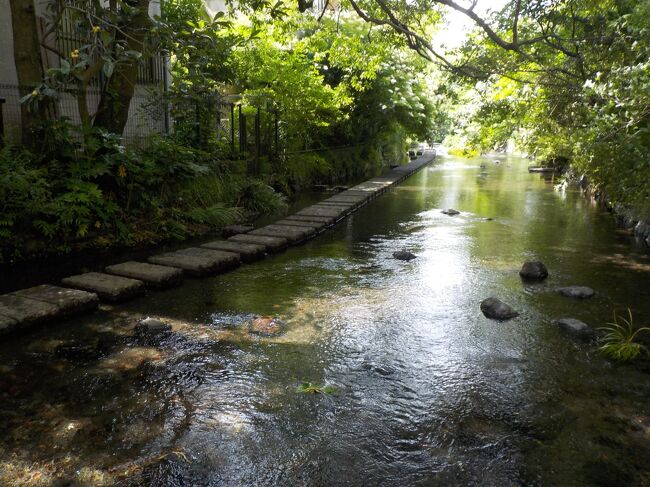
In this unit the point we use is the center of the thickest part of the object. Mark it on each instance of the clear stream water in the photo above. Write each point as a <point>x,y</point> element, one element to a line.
<point>428,391</point>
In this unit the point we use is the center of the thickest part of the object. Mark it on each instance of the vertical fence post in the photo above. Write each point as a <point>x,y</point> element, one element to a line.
<point>2,124</point>
<point>242,131</point>
<point>277,126</point>
<point>232,128</point>
<point>258,141</point>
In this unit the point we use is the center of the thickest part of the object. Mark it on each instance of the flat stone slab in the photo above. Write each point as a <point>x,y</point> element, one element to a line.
<point>231,230</point>
<point>329,211</point>
<point>69,301</point>
<point>303,224</point>
<point>17,311</point>
<point>197,261</point>
<point>292,234</point>
<point>247,252</point>
<point>272,244</point>
<point>340,204</point>
<point>157,276</point>
<point>108,287</point>
<point>328,220</point>
<point>346,199</point>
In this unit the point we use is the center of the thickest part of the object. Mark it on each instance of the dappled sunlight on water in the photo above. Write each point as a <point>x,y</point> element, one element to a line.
<point>424,389</point>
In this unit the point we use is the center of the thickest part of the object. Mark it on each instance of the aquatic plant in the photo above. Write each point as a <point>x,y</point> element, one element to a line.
<point>619,339</point>
<point>309,388</point>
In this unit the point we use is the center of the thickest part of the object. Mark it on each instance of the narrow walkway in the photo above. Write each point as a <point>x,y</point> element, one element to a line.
<point>83,292</point>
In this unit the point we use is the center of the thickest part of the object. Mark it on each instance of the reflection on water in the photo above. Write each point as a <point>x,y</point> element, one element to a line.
<point>428,391</point>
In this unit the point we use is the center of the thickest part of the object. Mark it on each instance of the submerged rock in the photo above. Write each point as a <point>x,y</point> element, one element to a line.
<point>87,351</point>
<point>576,292</point>
<point>533,271</point>
<point>450,212</point>
<point>496,309</point>
<point>150,327</point>
<point>574,326</point>
<point>404,255</point>
<point>265,325</point>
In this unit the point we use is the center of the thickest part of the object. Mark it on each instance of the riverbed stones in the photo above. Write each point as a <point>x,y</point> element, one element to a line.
<point>574,326</point>
<point>152,275</point>
<point>576,292</point>
<point>404,255</point>
<point>247,252</point>
<point>197,261</point>
<point>272,244</point>
<point>81,351</point>
<point>106,286</point>
<point>450,212</point>
<point>533,271</point>
<point>265,325</point>
<point>151,327</point>
<point>495,309</point>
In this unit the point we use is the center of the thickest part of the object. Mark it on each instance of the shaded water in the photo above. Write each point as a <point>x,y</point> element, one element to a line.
<point>428,391</point>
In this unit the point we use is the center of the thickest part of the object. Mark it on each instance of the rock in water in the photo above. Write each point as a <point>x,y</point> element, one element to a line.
<point>150,327</point>
<point>577,292</point>
<point>533,271</point>
<point>574,326</point>
<point>451,212</point>
<point>496,309</point>
<point>404,255</point>
<point>87,351</point>
<point>265,325</point>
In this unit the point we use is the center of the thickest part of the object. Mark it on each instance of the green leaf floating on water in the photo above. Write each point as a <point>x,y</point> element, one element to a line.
<point>309,388</point>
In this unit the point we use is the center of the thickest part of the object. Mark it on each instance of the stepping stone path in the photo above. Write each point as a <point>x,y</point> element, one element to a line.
<point>247,252</point>
<point>450,212</point>
<point>292,233</point>
<point>42,303</point>
<point>272,244</point>
<point>106,286</point>
<point>198,261</point>
<point>576,292</point>
<point>231,230</point>
<point>157,276</point>
<point>128,279</point>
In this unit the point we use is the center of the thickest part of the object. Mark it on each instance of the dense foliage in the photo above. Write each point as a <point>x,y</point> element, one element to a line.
<point>581,95</point>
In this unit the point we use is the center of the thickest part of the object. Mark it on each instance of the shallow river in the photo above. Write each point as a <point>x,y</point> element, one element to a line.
<point>427,390</point>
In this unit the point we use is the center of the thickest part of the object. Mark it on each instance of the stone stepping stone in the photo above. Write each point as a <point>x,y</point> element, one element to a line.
<point>272,244</point>
<point>69,301</point>
<point>247,252</point>
<point>292,234</point>
<point>231,230</point>
<point>576,292</point>
<point>108,287</point>
<point>16,312</point>
<point>353,200</point>
<point>198,261</point>
<point>341,204</point>
<point>574,326</point>
<point>329,211</point>
<point>316,226</point>
<point>328,220</point>
<point>157,276</point>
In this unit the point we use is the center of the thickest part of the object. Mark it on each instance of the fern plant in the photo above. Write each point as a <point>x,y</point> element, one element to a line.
<point>619,342</point>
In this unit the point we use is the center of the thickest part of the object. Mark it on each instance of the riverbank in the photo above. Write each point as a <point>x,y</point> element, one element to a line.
<point>28,307</point>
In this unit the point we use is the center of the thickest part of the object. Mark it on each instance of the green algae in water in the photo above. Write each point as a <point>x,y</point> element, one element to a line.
<point>309,388</point>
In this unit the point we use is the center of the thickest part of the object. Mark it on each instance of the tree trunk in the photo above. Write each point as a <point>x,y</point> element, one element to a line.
<point>113,110</point>
<point>29,65</point>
